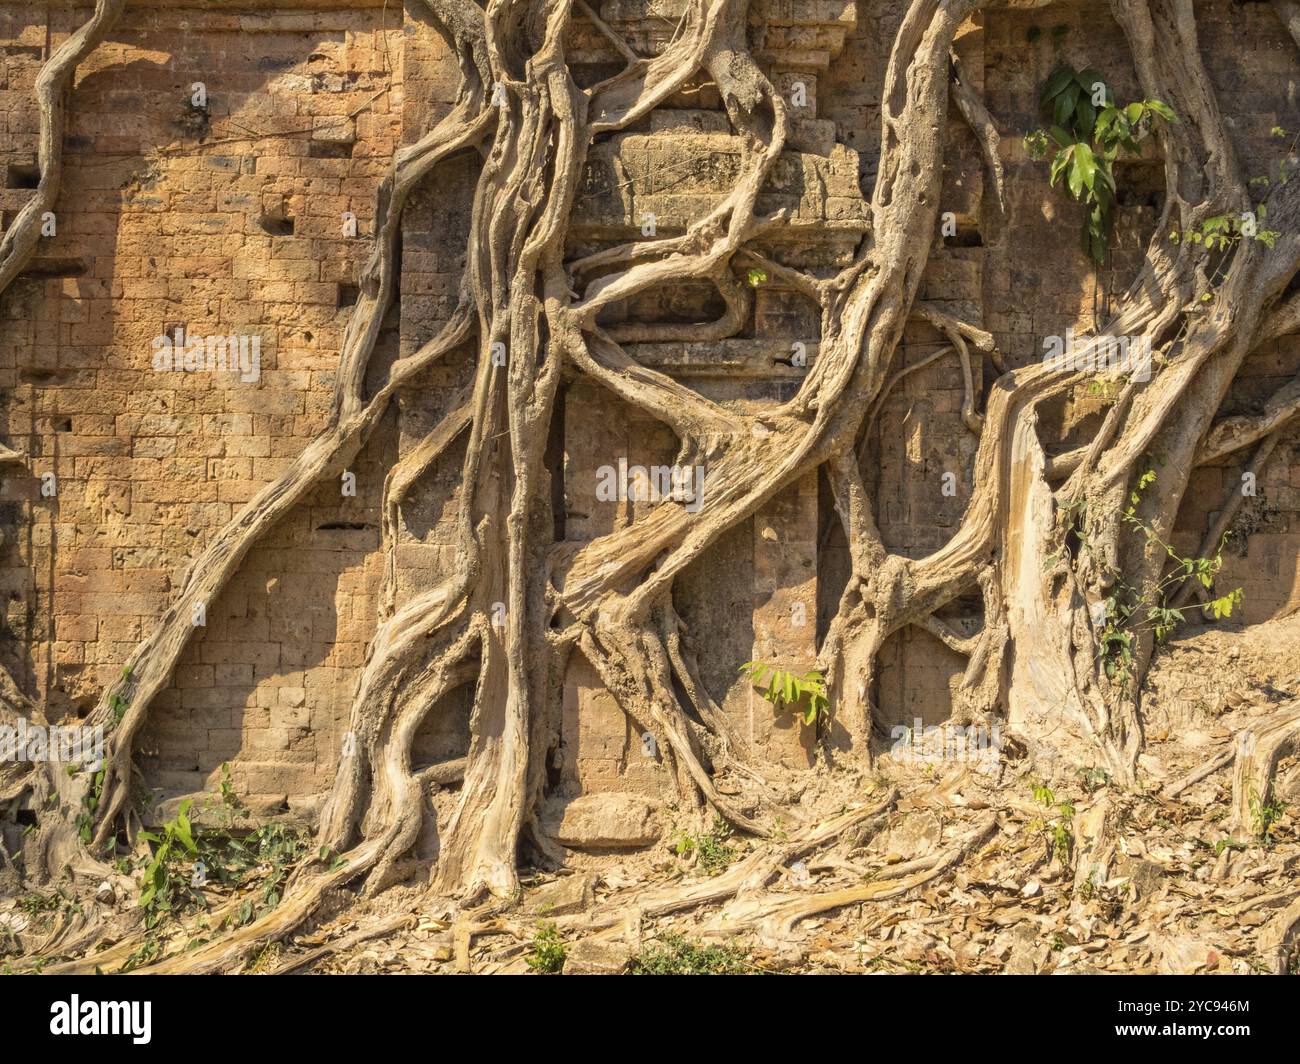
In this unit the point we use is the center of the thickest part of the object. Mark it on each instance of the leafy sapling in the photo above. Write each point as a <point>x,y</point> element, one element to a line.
<point>785,688</point>
<point>1088,133</point>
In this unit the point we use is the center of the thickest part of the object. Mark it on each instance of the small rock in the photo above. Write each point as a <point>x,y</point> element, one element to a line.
<point>441,947</point>
<point>609,821</point>
<point>1183,956</point>
<point>589,956</point>
<point>915,836</point>
<point>1145,876</point>
<point>568,894</point>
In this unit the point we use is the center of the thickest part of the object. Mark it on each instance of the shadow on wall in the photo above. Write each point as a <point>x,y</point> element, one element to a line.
<point>151,464</point>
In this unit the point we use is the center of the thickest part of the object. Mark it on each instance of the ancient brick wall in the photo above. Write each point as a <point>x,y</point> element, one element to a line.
<point>224,220</point>
<point>233,219</point>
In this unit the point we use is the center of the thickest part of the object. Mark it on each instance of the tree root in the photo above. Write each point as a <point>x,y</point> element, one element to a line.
<point>775,915</point>
<point>746,877</point>
<point>1278,940</point>
<point>1259,751</point>
<point>517,602</point>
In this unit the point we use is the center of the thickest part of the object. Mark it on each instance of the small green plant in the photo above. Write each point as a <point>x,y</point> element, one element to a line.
<point>755,276</point>
<point>34,902</point>
<point>149,950</point>
<point>789,689</point>
<point>1109,390</point>
<point>1264,814</point>
<point>330,859</point>
<point>183,860</point>
<point>678,955</point>
<point>229,799</point>
<point>1127,611</point>
<point>116,702</point>
<point>274,849</point>
<point>548,952</point>
<point>1094,779</point>
<point>1222,231</point>
<point>1057,828</point>
<point>84,821</point>
<point>710,848</point>
<point>1088,132</point>
<point>166,885</point>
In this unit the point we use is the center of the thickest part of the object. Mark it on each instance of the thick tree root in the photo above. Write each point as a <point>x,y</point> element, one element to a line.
<point>774,916</point>
<point>518,603</point>
<point>1258,753</point>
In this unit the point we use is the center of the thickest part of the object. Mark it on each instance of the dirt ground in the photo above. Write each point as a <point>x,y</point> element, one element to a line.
<point>1073,876</point>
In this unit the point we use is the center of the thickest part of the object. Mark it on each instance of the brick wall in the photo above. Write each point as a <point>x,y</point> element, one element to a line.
<point>229,220</point>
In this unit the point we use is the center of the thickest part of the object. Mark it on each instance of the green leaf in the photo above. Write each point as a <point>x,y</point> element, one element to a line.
<point>185,835</point>
<point>1085,115</point>
<point>1060,78</point>
<point>1074,178</point>
<point>1105,120</point>
<point>1088,77</point>
<point>1065,102</point>
<point>1086,164</point>
<point>1059,166</point>
<point>1163,110</point>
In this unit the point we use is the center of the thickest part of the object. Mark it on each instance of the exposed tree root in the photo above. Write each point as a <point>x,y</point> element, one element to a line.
<point>1258,753</point>
<point>518,603</point>
<point>744,878</point>
<point>1277,942</point>
<point>53,86</point>
<point>775,915</point>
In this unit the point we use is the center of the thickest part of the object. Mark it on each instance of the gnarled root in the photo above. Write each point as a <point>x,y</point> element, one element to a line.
<point>1259,751</point>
